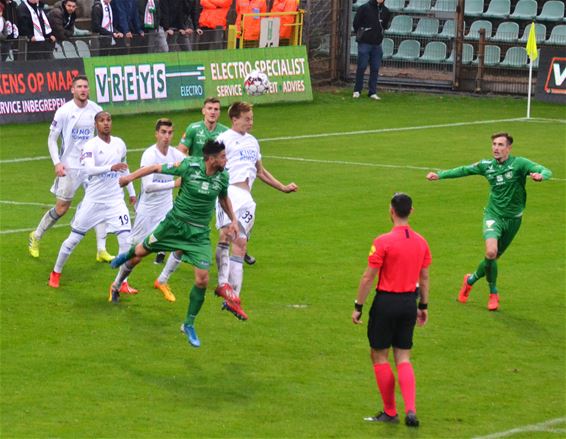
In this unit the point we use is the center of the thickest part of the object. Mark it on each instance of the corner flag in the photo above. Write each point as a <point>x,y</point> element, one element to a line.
<point>532,43</point>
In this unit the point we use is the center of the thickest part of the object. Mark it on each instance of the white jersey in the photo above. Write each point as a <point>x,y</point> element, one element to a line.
<point>242,154</point>
<point>156,192</point>
<point>97,158</point>
<point>75,125</point>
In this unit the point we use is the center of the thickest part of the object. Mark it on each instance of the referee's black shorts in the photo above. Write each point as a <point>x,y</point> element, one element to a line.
<point>392,320</point>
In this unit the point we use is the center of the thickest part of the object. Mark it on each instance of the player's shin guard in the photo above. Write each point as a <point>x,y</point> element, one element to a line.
<point>66,249</point>
<point>170,267</point>
<point>236,273</point>
<point>122,275</point>
<point>386,384</point>
<point>100,230</point>
<point>406,376</point>
<point>196,299</point>
<point>48,220</point>
<point>223,262</point>
<point>491,274</point>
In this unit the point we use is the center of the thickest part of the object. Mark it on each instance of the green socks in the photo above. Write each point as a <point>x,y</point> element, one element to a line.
<point>196,299</point>
<point>487,268</point>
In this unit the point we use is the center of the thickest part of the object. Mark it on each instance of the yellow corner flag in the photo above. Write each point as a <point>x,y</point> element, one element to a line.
<point>532,43</point>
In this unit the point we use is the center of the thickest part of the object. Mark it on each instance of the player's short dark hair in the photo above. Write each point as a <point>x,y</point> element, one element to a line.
<point>503,134</point>
<point>212,147</point>
<point>100,113</point>
<point>163,121</point>
<point>402,204</point>
<point>211,100</point>
<point>79,78</point>
<point>237,108</point>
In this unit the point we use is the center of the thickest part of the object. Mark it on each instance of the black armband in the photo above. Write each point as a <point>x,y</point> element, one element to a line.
<point>358,306</point>
<point>423,305</point>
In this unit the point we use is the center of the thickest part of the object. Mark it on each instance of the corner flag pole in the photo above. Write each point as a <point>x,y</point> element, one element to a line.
<point>532,52</point>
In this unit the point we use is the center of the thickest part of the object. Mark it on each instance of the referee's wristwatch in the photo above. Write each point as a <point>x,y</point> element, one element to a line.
<point>422,306</point>
<point>358,306</point>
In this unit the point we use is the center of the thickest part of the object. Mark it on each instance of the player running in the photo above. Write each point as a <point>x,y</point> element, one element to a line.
<point>507,177</point>
<point>185,227</point>
<point>103,158</point>
<point>74,123</point>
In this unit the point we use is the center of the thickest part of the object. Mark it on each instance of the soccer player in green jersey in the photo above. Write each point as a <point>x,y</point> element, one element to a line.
<point>186,226</point>
<point>198,133</point>
<point>507,176</point>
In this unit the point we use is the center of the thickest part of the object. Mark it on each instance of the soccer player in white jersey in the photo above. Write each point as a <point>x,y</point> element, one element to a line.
<point>156,197</point>
<point>74,123</point>
<point>103,159</point>
<point>243,165</point>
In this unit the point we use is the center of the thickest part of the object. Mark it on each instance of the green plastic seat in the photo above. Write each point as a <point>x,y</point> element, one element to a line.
<point>400,25</point>
<point>448,30</point>
<point>473,8</point>
<point>434,52</point>
<point>515,57</point>
<point>387,45</point>
<point>498,9</point>
<point>525,10</point>
<point>474,32</point>
<point>552,11</point>
<point>491,56</point>
<point>395,5</point>
<point>409,50</point>
<point>507,31</point>
<point>445,6</point>
<point>419,6</point>
<point>540,32</point>
<point>427,27</point>
<point>558,35</point>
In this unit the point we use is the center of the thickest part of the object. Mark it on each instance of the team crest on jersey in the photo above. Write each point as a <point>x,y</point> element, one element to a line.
<point>489,224</point>
<point>86,154</point>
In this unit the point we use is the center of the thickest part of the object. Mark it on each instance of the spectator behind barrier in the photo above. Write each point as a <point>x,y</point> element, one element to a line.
<point>212,21</point>
<point>150,17</point>
<point>179,19</point>
<point>127,21</point>
<point>62,19</point>
<point>8,29</point>
<point>286,21</point>
<point>102,23</point>
<point>251,24</point>
<point>35,27</point>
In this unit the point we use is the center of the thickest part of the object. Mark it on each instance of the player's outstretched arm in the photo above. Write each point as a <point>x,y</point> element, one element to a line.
<point>266,176</point>
<point>141,172</point>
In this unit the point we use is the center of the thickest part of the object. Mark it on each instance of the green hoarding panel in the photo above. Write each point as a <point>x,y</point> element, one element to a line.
<point>150,83</point>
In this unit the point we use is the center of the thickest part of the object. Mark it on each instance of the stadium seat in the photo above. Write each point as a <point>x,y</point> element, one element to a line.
<point>558,35</point>
<point>448,30</point>
<point>498,9</point>
<point>353,46</point>
<point>58,52</point>
<point>387,46</point>
<point>82,49</point>
<point>69,49</point>
<point>506,31</point>
<point>515,57</point>
<point>474,32</point>
<point>491,56</point>
<point>395,5</point>
<point>525,10</point>
<point>540,32</point>
<point>419,6</point>
<point>409,50</point>
<point>445,6</point>
<point>435,52</point>
<point>473,8</point>
<point>400,25</point>
<point>467,54</point>
<point>552,11</point>
<point>427,27</point>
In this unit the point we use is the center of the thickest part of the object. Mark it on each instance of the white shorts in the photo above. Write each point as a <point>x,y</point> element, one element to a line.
<point>89,214</point>
<point>144,224</point>
<point>244,207</point>
<point>64,188</point>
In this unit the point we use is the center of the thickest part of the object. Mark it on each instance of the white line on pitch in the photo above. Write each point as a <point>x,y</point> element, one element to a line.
<point>25,203</point>
<point>541,427</point>
<point>349,133</point>
<point>9,232</point>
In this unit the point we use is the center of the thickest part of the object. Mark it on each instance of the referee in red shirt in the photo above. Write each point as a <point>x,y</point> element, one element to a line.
<point>402,258</point>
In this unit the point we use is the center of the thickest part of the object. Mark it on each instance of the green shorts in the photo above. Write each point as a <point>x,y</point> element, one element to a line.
<point>173,234</point>
<point>503,229</point>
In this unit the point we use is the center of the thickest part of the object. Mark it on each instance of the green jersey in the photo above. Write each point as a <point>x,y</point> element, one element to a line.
<point>196,200</point>
<point>197,134</point>
<point>508,196</point>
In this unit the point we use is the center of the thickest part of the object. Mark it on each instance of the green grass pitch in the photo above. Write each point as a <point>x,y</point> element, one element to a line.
<point>72,365</point>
